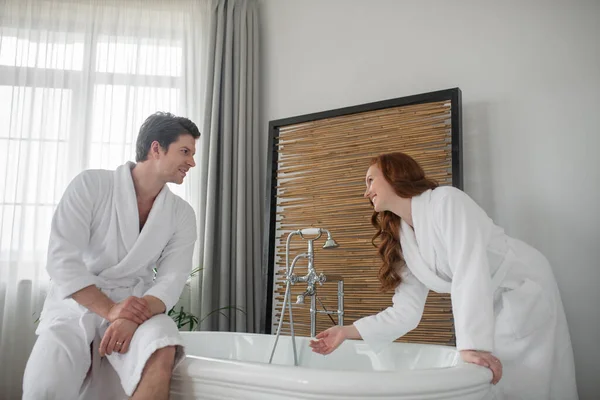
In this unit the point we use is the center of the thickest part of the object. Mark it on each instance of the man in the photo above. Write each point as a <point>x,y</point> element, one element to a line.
<point>110,230</point>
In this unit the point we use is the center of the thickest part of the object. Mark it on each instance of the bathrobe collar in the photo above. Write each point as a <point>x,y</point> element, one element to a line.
<point>418,245</point>
<point>127,208</point>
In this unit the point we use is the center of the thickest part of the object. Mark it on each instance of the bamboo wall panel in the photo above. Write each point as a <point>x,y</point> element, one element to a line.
<point>320,183</point>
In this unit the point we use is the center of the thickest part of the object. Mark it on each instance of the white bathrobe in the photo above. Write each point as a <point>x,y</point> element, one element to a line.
<point>504,296</point>
<point>95,240</point>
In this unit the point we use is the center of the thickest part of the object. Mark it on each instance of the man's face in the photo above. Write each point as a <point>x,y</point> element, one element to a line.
<point>174,164</point>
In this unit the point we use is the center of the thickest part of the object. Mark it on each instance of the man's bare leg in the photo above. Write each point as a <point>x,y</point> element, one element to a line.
<point>156,378</point>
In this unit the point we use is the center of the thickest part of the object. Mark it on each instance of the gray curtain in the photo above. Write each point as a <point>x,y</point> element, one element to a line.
<point>230,207</point>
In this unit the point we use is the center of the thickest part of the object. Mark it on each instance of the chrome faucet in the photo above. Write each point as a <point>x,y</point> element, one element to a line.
<point>311,278</point>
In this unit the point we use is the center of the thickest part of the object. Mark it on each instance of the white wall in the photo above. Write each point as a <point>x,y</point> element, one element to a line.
<point>529,72</point>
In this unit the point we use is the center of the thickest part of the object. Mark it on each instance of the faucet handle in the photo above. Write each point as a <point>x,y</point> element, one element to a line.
<point>321,278</point>
<point>300,299</point>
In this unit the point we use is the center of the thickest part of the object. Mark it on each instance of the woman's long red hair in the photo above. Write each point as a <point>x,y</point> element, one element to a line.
<point>407,178</point>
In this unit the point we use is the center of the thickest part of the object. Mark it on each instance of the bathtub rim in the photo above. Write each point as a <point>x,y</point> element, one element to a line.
<point>462,378</point>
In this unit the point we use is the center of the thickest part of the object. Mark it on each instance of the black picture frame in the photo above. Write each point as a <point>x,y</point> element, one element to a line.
<point>454,95</point>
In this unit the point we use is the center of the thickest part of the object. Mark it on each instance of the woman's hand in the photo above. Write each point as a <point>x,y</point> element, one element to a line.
<point>118,337</point>
<point>330,339</point>
<point>484,359</point>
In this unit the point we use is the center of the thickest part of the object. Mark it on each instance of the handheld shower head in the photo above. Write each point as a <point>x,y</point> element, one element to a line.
<point>330,243</point>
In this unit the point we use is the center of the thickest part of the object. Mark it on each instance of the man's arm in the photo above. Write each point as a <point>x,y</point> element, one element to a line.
<point>132,308</point>
<point>94,300</point>
<point>70,234</point>
<point>175,263</point>
<point>155,304</point>
<point>69,237</point>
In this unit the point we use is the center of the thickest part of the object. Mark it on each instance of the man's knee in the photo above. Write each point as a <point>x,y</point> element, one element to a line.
<point>46,387</point>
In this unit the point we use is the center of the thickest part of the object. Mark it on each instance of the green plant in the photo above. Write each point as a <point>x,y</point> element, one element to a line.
<point>183,318</point>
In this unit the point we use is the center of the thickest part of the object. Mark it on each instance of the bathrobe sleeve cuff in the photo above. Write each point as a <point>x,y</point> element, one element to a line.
<point>66,289</point>
<point>168,299</point>
<point>368,332</point>
<point>408,303</point>
<point>479,344</point>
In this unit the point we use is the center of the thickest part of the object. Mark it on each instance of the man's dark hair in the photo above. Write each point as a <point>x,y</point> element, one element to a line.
<point>165,128</point>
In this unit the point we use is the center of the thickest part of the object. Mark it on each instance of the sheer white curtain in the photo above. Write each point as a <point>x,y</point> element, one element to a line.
<point>77,79</point>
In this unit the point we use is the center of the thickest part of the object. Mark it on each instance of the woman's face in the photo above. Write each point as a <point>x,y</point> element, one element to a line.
<point>379,191</point>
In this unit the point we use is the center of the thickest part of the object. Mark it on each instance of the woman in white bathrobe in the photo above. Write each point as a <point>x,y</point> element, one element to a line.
<point>507,309</point>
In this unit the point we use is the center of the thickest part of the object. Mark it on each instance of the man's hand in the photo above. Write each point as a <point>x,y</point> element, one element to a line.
<point>118,337</point>
<point>132,308</point>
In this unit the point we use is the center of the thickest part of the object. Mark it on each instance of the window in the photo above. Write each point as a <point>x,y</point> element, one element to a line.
<point>71,101</point>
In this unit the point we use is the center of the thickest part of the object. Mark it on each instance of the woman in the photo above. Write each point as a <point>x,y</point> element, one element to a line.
<point>507,309</point>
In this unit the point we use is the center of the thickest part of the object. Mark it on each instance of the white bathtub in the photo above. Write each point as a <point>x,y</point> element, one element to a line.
<point>221,365</point>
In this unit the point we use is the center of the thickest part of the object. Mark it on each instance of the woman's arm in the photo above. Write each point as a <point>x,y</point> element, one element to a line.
<point>388,325</point>
<point>464,228</point>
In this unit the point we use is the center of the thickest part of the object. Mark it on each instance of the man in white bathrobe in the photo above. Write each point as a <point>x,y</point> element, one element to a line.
<point>508,314</point>
<point>119,255</point>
